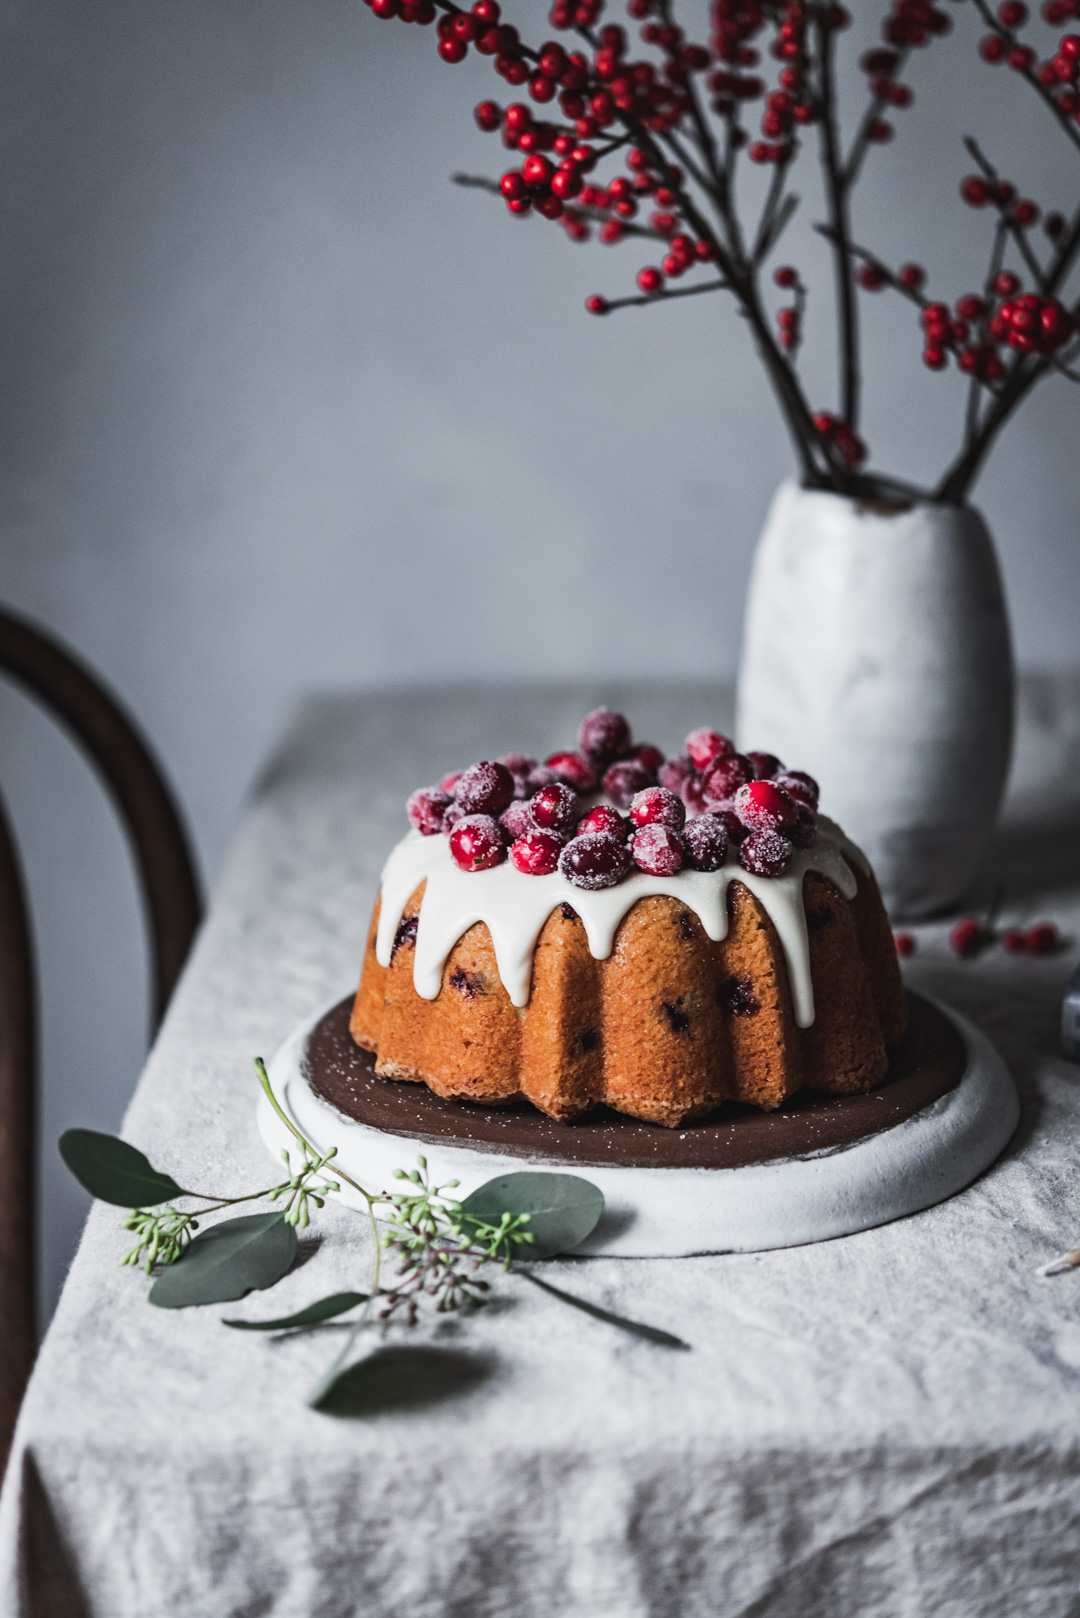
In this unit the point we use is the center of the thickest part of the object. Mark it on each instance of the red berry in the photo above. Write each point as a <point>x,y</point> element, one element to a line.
<point>766,764</point>
<point>517,763</point>
<point>763,806</point>
<point>912,276</point>
<point>657,849</point>
<point>621,781</point>
<point>1014,940</point>
<point>1006,284</point>
<point>705,745</point>
<point>1043,939</point>
<point>604,818</point>
<point>803,829</point>
<point>555,808</point>
<point>798,785</point>
<point>693,796</point>
<point>426,809</point>
<point>596,305</point>
<point>574,769</point>
<point>731,823</point>
<point>451,818</point>
<point>451,50</point>
<point>487,12</point>
<point>517,821</point>
<point>477,843</point>
<point>595,860</point>
<point>905,943</point>
<point>725,776</point>
<point>786,275</point>
<point>657,804</point>
<point>488,115</point>
<point>650,758</point>
<point>765,853</point>
<point>449,782</point>
<point>975,191</point>
<point>537,853</point>
<point>705,840</point>
<point>650,280</point>
<point>537,171</point>
<point>485,789</point>
<point>992,48</point>
<point>1013,13</point>
<point>674,774</point>
<point>603,735</point>
<point>512,185</point>
<point>967,937</point>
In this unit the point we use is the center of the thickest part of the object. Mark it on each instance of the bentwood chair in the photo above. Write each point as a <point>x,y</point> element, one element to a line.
<point>170,892</point>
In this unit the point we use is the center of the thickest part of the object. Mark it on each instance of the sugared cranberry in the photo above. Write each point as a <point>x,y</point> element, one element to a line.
<point>725,776</point>
<point>477,843</point>
<point>1043,939</point>
<point>574,769</point>
<point>485,789</point>
<point>604,818</point>
<point>730,821</point>
<point>555,808</point>
<point>706,843</point>
<point>673,773</point>
<point>516,763</point>
<point>763,806</point>
<point>426,809</point>
<point>449,782</point>
<point>595,860</point>
<point>451,818</point>
<point>765,853</point>
<point>1014,939</point>
<point>659,805</point>
<point>798,785</point>
<point>705,745</point>
<point>693,796</point>
<point>603,734</point>
<point>905,943</point>
<point>650,758</point>
<point>766,765</point>
<point>541,776</point>
<point>622,780</point>
<point>803,829</point>
<point>968,937</point>
<point>537,853</point>
<point>517,820</point>
<point>657,849</point>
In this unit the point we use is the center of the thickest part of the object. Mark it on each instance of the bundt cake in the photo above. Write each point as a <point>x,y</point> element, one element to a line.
<point>717,942</point>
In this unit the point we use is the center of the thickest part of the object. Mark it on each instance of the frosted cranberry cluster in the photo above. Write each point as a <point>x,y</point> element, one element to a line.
<point>661,815</point>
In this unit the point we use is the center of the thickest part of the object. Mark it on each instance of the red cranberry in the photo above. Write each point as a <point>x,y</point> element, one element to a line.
<point>1015,941</point>
<point>800,786</point>
<point>555,808</point>
<point>803,829</point>
<point>905,943</point>
<point>968,937</point>
<point>575,770</point>
<point>426,809</point>
<point>657,849</point>
<point>705,745</point>
<point>537,853</point>
<point>449,782</point>
<point>621,781</point>
<point>706,843</point>
<point>516,763</point>
<point>766,765</point>
<point>650,758</point>
<point>657,804</point>
<point>477,843</point>
<point>517,820</point>
<point>765,853</point>
<point>763,806</point>
<point>1043,939</point>
<point>451,818</point>
<point>693,796</point>
<point>594,860</point>
<point>725,776</point>
<point>604,818</point>
<point>485,789</point>
<point>673,773</point>
<point>603,734</point>
<point>542,776</point>
<point>730,821</point>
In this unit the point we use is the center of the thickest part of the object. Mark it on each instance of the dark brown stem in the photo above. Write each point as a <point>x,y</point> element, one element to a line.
<point>836,193</point>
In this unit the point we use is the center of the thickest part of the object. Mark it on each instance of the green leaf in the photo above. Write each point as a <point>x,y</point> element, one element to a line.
<point>637,1328</point>
<point>339,1303</point>
<point>115,1172</point>
<point>227,1261</point>
<point>399,1379</point>
<point>563,1209</point>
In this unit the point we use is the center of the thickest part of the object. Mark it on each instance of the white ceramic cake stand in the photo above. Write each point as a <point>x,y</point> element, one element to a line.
<point>672,1212</point>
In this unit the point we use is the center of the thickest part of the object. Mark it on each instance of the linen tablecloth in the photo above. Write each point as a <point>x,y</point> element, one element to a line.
<point>886,1424</point>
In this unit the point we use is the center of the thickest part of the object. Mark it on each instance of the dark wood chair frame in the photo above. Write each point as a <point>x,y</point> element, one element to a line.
<point>173,907</point>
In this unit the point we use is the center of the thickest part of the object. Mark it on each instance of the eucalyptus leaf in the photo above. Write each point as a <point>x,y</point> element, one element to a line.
<point>113,1171</point>
<point>401,1378</point>
<point>637,1328</point>
<point>339,1303</point>
<point>228,1260</point>
<point>563,1209</point>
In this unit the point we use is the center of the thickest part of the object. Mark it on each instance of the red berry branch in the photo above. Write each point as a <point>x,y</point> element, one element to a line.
<point>678,120</point>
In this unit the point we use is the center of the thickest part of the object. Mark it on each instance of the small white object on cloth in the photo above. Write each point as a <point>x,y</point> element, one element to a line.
<point>885,1423</point>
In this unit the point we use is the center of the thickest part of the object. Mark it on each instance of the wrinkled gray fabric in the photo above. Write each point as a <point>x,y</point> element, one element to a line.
<point>886,1425</point>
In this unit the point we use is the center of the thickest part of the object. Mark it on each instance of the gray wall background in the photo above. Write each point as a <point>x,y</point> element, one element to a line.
<point>281,408</point>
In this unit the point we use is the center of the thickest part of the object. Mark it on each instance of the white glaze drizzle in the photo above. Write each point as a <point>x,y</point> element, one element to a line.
<point>515,907</point>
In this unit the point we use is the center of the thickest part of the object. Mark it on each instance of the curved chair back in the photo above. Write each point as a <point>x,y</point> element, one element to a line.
<point>170,892</point>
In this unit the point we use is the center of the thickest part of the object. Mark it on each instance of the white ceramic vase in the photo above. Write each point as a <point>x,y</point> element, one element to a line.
<point>876,655</point>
